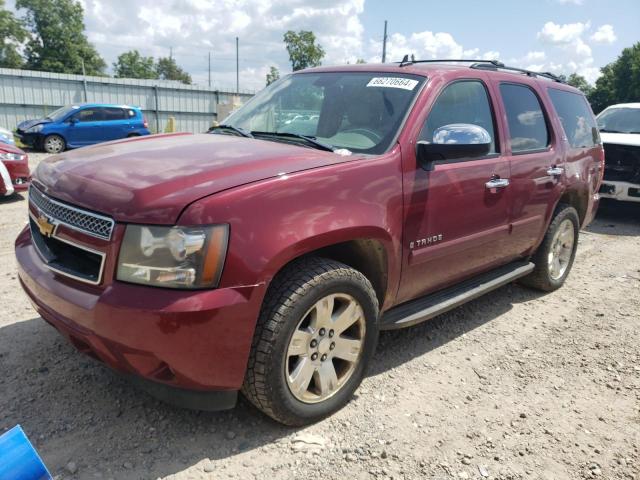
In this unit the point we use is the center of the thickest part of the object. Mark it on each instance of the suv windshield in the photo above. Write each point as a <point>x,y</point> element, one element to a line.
<point>361,112</point>
<point>619,120</point>
<point>60,113</point>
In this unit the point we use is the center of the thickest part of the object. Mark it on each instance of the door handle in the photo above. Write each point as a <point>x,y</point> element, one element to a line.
<point>497,182</point>
<point>555,171</point>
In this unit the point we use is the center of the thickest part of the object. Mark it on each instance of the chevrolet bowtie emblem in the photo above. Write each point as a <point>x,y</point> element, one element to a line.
<point>45,226</point>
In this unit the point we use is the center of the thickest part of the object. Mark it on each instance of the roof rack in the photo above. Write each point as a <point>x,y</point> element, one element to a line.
<point>407,61</point>
<point>484,65</point>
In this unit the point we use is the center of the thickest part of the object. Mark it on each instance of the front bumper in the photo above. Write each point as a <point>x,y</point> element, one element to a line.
<point>624,191</point>
<point>19,174</point>
<point>32,140</point>
<point>187,340</point>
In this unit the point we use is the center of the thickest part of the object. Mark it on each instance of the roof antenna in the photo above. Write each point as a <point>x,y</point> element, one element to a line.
<point>405,61</point>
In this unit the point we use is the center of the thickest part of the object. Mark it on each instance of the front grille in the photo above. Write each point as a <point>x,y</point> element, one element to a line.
<point>82,220</point>
<point>622,163</point>
<point>67,259</point>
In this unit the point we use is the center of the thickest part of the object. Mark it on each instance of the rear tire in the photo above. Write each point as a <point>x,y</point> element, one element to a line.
<point>304,363</point>
<point>54,144</point>
<point>554,258</point>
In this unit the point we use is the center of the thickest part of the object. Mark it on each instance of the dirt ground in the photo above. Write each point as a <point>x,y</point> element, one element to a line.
<point>515,385</point>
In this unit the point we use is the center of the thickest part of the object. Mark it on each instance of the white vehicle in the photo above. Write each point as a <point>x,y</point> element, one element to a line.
<point>620,131</point>
<point>6,186</point>
<point>6,136</point>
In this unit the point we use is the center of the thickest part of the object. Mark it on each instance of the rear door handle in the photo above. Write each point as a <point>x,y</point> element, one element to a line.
<point>555,171</point>
<point>497,182</point>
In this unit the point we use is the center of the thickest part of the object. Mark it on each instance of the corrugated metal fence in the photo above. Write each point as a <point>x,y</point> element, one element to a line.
<point>27,94</point>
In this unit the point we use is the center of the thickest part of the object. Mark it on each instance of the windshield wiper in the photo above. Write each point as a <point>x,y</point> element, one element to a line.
<point>240,131</point>
<point>307,138</point>
<point>605,130</point>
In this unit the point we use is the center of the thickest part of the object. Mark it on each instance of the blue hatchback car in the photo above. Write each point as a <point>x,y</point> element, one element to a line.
<point>79,125</point>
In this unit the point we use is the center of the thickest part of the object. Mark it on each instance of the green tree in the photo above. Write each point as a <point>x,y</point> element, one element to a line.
<point>580,83</point>
<point>273,75</point>
<point>168,69</point>
<point>620,80</point>
<point>360,61</point>
<point>12,34</point>
<point>133,65</point>
<point>303,50</point>
<point>57,42</point>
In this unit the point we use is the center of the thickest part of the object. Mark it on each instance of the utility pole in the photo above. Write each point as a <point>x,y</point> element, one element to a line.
<point>84,80</point>
<point>384,43</point>
<point>237,68</point>
<point>209,69</point>
<point>170,53</point>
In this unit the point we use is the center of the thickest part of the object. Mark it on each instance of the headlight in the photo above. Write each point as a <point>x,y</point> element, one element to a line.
<point>173,257</point>
<point>16,157</point>
<point>34,129</point>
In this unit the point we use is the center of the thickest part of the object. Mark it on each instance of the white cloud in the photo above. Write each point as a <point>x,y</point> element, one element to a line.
<point>555,34</point>
<point>426,45</point>
<point>192,28</point>
<point>535,56</point>
<point>604,35</point>
<point>569,49</point>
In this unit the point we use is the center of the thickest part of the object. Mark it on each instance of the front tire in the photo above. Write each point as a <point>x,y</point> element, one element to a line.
<point>54,144</point>
<point>554,258</point>
<point>315,336</point>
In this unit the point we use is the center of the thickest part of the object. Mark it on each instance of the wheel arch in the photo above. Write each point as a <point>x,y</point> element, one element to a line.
<point>371,254</point>
<point>578,197</point>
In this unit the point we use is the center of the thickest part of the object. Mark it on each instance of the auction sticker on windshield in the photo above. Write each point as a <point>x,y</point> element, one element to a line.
<point>393,82</point>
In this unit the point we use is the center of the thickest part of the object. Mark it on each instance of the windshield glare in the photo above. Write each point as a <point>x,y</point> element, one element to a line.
<point>361,112</point>
<point>60,113</point>
<point>622,120</point>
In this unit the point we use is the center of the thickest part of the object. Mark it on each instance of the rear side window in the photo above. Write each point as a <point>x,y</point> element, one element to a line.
<point>461,102</point>
<point>576,118</point>
<point>112,113</point>
<point>131,113</point>
<point>527,124</point>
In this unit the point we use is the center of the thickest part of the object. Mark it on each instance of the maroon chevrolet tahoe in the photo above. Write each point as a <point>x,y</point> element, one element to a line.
<point>265,256</point>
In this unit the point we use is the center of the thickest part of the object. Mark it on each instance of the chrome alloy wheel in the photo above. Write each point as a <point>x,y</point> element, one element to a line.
<point>561,249</point>
<point>325,348</point>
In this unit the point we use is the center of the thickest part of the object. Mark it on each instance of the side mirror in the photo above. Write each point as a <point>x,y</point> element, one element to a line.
<point>452,142</point>
<point>72,120</point>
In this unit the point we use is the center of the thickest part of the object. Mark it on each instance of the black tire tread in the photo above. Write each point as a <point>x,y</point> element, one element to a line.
<point>539,278</point>
<point>291,284</point>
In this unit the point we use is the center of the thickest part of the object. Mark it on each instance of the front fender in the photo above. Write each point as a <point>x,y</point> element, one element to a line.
<point>274,221</point>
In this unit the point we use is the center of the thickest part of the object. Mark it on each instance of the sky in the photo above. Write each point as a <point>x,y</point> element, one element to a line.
<point>561,36</point>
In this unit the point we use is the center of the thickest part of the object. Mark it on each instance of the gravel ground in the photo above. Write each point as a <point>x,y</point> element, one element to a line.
<point>514,385</point>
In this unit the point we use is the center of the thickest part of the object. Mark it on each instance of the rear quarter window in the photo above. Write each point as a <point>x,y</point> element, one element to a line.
<point>576,118</point>
<point>111,113</point>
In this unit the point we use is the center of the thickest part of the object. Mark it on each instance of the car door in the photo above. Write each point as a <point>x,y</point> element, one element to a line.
<point>536,159</point>
<point>457,214</point>
<point>115,124</point>
<point>84,127</point>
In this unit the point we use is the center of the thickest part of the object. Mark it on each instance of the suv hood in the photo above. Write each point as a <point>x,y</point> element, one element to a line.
<point>152,179</point>
<point>631,139</point>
